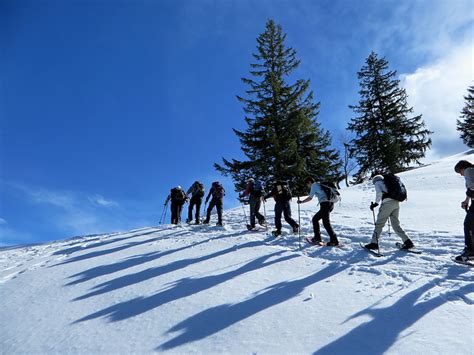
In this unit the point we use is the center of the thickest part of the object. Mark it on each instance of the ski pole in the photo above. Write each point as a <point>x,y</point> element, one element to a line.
<point>265,215</point>
<point>389,228</point>
<point>299,223</point>
<point>204,211</point>
<point>166,210</point>
<point>376,236</point>
<point>162,214</point>
<point>245,214</point>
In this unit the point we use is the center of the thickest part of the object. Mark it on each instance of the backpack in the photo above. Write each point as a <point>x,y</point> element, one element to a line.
<point>198,189</point>
<point>282,191</point>
<point>331,191</point>
<point>219,191</point>
<point>395,188</point>
<point>257,189</point>
<point>178,195</point>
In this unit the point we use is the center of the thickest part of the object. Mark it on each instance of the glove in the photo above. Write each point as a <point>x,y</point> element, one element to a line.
<point>373,205</point>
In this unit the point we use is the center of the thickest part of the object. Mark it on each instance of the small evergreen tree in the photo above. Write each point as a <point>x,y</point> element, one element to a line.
<point>466,126</point>
<point>386,138</point>
<point>283,140</point>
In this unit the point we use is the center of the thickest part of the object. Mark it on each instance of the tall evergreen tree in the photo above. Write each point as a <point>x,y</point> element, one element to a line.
<point>283,140</point>
<point>386,139</point>
<point>466,126</point>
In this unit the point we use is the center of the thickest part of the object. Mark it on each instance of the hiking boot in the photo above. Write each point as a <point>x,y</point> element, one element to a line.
<point>219,224</point>
<point>407,245</point>
<point>315,240</point>
<point>371,246</point>
<point>333,243</point>
<point>296,229</point>
<point>276,233</point>
<point>206,221</point>
<point>188,221</point>
<point>263,223</point>
<point>197,222</point>
<point>250,227</point>
<point>465,256</point>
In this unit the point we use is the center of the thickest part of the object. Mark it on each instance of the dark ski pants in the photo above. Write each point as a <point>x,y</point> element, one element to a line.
<point>176,208</point>
<point>469,230</point>
<point>323,214</point>
<point>255,203</point>
<point>285,208</point>
<point>195,201</point>
<point>215,202</point>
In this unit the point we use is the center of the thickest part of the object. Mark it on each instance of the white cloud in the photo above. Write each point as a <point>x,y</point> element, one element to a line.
<point>101,201</point>
<point>437,91</point>
<point>3,221</point>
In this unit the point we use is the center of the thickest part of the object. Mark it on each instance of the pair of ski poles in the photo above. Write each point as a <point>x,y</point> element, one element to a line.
<point>264,215</point>
<point>163,214</point>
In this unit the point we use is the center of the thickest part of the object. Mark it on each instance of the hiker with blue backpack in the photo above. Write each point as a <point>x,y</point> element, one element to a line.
<point>255,191</point>
<point>389,192</point>
<point>217,192</point>
<point>327,195</point>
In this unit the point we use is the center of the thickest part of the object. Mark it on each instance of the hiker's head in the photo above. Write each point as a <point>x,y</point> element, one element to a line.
<point>249,180</point>
<point>377,178</point>
<point>309,180</point>
<point>461,165</point>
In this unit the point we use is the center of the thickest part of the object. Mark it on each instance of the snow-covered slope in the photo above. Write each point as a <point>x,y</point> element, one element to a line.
<point>204,289</point>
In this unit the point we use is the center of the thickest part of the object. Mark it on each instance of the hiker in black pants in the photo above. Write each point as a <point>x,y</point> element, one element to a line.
<point>178,198</point>
<point>326,207</point>
<point>255,191</point>
<point>197,191</point>
<point>466,169</point>
<point>217,192</point>
<point>282,195</point>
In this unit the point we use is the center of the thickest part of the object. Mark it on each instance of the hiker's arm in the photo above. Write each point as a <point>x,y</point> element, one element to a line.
<point>307,199</point>
<point>378,192</point>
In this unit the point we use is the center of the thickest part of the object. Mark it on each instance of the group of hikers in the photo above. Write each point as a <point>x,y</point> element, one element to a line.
<point>389,192</point>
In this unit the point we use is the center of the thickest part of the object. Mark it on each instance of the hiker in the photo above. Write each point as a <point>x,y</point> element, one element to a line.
<point>389,200</point>
<point>281,193</point>
<point>323,193</point>
<point>466,169</point>
<point>254,190</point>
<point>197,193</point>
<point>178,198</point>
<point>217,192</point>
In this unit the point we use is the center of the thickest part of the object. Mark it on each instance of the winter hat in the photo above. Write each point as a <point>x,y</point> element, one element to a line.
<point>250,180</point>
<point>377,178</point>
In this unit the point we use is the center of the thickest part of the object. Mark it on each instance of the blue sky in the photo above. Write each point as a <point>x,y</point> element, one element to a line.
<point>106,104</point>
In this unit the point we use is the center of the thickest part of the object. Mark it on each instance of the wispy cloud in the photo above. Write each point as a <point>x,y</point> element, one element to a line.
<point>2,221</point>
<point>101,201</point>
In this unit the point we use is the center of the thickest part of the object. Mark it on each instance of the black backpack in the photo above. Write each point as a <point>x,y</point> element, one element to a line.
<point>257,189</point>
<point>331,191</point>
<point>282,192</point>
<point>198,189</point>
<point>177,195</point>
<point>395,187</point>
<point>219,191</point>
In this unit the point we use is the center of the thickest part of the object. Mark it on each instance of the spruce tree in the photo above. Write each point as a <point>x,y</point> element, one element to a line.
<point>283,140</point>
<point>466,126</point>
<point>387,138</point>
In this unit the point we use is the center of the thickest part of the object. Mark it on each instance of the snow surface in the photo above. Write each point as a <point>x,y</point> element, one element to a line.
<point>206,289</point>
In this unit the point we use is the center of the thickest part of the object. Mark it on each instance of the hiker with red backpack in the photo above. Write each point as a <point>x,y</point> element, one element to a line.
<point>389,192</point>
<point>217,192</point>
<point>178,198</point>
<point>327,195</point>
<point>254,190</point>
<point>281,193</point>
<point>197,194</point>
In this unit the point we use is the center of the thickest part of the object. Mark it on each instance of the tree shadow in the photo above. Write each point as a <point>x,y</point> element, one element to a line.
<point>215,319</point>
<point>150,273</point>
<point>103,270</point>
<point>183,288</point>
<point>378,334</point>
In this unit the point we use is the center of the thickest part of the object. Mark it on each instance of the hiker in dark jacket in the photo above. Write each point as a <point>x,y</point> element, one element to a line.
<point>281,193</point>
<point>217,192</point>
<point>324,212</point>
<point>178,198</point>
<point>255,200</point>
<point>197,194</point>
<point>466,169</point>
